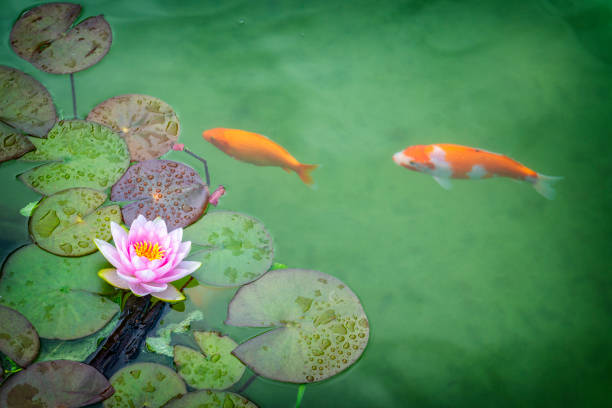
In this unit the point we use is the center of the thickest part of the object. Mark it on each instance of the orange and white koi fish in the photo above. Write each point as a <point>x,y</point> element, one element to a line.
<point>257,149</point>
<point>447,161</point>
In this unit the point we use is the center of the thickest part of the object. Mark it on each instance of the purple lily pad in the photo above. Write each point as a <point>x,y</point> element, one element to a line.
<point>25,104</point>
<point>43,36</point>
<point>161,188</point>
<point>18,338</point>
<point>58,383</point>
<point>149,125</point>
<point>209,398</point>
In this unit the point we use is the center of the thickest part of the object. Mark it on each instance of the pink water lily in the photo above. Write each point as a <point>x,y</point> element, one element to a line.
<point>147,259</point>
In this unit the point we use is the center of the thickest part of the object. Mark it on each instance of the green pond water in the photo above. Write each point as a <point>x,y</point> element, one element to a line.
<point>486,295</point>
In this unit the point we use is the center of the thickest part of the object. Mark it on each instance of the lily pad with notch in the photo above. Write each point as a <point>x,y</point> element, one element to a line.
<point>60,296</point>
<point>210,398</point>
<point>161,188</point>
<point>215,368</point>
<point>18,338</point>
<point>25,104</point>
<point>59,383</point>
<point>234,248</point>
<point>81,154</point>
<point>149,126</point>
<point>320,328</point>
<point>45,37</point>
<point>67,222</point>
<point>144,385</point>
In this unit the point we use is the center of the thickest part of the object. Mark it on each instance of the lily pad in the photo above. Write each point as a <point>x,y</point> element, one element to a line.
<point>144,385</point>
<point>12,143</point>
<point>76,350</point>
<point>210,399</point>
<point>60,296</point>
<point>234,248</point>
<point>67,222</point>
<point>60,383</point>
<point>320,326</point>
<point>215,369</point>
<point>161,188</point>
<point>25,104</point>
<point>43,36</point>
<point>149,125</point>
<point>82,154</point>
<point>18,338</point>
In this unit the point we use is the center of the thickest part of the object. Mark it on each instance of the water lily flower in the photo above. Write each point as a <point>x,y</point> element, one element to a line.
<point>147,259</point>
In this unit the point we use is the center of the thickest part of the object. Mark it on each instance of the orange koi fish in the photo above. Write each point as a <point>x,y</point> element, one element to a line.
<point>257,149</point>
<point>446,161</point>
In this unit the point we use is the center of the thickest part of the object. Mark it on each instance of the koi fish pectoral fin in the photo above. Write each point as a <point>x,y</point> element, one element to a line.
<point>444,182</point>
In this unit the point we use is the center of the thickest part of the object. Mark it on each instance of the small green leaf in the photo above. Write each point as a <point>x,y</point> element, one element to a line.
<point>82,154</point>
<point>216,369</point>
<point>144,385</point>
<point>27,210</point>
<point>234,248</point>
<point>320,326</point>
<point>60,296</point>
<point>18,338</point>
<point>209,398</point>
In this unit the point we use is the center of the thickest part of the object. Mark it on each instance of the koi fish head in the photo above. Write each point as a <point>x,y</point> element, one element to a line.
<point>216,137</point>
<point>414,158</point>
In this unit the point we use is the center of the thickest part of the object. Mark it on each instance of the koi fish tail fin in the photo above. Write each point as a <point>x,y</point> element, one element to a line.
<point>303,170</point>
<point>544,185</point>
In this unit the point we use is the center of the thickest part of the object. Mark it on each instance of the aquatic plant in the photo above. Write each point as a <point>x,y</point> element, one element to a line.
<point>95,176</point>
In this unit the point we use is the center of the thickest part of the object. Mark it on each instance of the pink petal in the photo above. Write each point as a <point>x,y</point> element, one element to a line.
<point>138,289</point>
<point>109,252</point>
<point>154,286</point>
<point>183,269</point>
<point>183,251</point>
<point>171,294</point>
<point>112,278</point>
<point>144,275</point>
<point>139,262</point>
<point>160,228</point>
<point>119,235</point>
<point>127,276</point>
<point>136,228</point>
<point>176,235</point>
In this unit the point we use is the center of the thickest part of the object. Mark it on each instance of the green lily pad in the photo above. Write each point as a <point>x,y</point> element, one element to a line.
<point>82,154</point>
<point>67,222</point>
<point>144,385</point>
<point>18,338</point>
<point>59,383</point>
<point>161,343</point>
<point>75,350</point>
<point>161,188</point>
<point>12,143</point>
<point>43,36</point>
<point>216,369</point>
<point>320,326</point>
<point>25,104</point>
<point>149,125</point>
<point>234,248</point>
<point>60,296</point>
<point>210,399</point>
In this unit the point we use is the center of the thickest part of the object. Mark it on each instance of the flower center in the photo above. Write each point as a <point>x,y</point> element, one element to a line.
<point>148,250</point>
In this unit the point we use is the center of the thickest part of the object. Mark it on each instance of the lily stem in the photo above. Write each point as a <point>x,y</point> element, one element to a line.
<point>186,283</point>
<point>74,107</point>
<point>300,395</point>
<point>247,383</point>
<point>203,161</point>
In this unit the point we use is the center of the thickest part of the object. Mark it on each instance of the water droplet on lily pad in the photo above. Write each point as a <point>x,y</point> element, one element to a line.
<point>67,222</point>
<point>63,299</point>
<point>215,369</point>
<point>234,248</point>
<point>210,398</point>
<point>180,186</point>
<point>59,383</point>
<point>44,36</point>
<point>148,125</point>
<point>18,338</point>
<point>26,107</point>
<point>302,335</point>
<point>144,385</point>
<point>78,154</point>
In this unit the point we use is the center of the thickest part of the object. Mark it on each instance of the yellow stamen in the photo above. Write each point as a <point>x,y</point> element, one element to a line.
<point>148,250</point>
